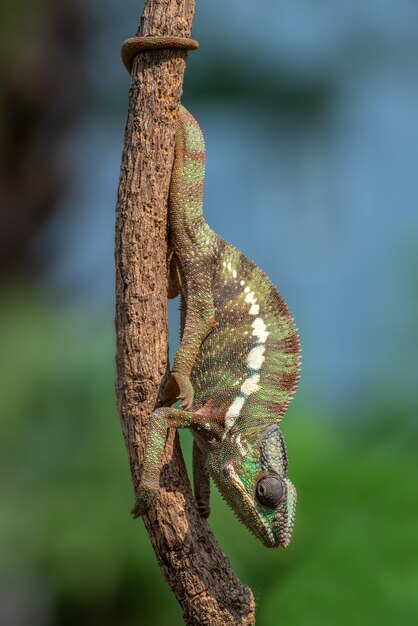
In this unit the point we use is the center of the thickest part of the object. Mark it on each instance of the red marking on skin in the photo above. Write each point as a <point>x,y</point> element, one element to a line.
<point>288,382</point>
<point>213,411</point>
<point>208,409</point>
<point>290,345</point>
<point>196,155</point>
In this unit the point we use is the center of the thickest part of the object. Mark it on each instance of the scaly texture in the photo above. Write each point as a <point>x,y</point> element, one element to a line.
<point>237,366</point>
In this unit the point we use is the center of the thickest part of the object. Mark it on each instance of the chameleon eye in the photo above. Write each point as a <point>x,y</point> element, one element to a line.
<point>269,491</point>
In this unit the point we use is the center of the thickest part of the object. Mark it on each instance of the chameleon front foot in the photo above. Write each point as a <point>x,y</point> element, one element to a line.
<point>178,387</point>
<point>143,503</point>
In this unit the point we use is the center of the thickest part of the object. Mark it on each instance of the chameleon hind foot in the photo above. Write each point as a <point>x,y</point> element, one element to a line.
<point>178,387</point>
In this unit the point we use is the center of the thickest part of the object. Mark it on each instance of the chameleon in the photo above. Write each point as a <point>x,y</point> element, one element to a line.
<point>236,369</point>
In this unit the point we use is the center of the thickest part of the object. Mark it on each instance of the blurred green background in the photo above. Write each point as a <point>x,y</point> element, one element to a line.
<point>310,117</point>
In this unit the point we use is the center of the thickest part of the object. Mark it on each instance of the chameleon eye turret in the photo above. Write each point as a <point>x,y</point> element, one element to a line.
<point>237,366</point>
<point>269,491</point>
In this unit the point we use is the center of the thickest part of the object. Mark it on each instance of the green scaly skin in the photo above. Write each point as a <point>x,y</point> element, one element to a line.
<point>236,369</point>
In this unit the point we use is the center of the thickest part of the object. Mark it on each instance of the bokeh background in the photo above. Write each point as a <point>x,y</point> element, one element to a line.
<point>310,112</point>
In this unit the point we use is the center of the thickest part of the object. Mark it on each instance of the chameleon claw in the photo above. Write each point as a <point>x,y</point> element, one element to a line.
<point>186,402</point>
<point>185,391</point>
<point>178,387</point>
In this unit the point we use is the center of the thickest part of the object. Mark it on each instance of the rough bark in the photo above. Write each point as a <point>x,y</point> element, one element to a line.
<point>189,557</point>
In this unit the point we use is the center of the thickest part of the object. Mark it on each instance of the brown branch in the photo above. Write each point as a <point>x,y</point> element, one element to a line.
<point>189,557</point>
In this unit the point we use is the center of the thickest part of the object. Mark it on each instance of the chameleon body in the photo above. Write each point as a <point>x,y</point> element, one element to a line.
<point>236,369</point>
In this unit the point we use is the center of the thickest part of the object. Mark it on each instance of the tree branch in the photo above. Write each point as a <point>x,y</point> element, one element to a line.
<point>189,557</point>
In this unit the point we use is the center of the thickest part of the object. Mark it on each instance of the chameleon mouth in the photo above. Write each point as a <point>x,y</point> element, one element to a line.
<point>259,526</point>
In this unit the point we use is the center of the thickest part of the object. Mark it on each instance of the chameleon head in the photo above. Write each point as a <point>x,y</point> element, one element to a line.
<point>254,483</point>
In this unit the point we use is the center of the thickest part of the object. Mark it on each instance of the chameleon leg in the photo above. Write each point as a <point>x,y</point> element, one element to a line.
<point>161,420</point>
<point>198,323</point>
<point>198,319</point>
<point>201,480</point>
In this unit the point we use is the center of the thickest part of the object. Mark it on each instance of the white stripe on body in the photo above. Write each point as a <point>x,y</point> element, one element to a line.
<point>255,357</point>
